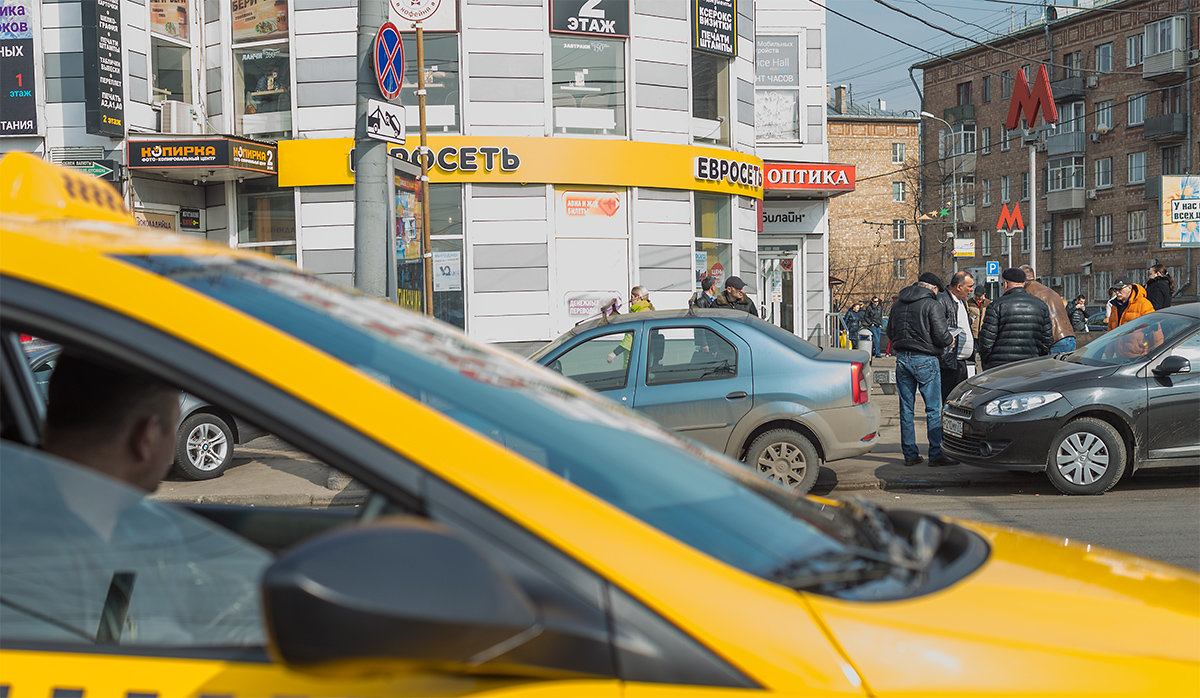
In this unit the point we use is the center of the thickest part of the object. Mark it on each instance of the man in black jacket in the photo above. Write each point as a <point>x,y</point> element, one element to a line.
<point>1016,326</point>
<point>917,327</point>
<point>873,320</point>
<point>707,296</point>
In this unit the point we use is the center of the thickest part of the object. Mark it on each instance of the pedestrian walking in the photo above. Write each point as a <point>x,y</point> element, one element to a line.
<point>854,322</point>
<point>959,354</point>
<point>1061,330</point>
<point>734,297</point>
<point>1129,302</point>
<point>1078,314</point>
<point>873,320</point>
<point>917,328</point>
<point>706,297</point>
<point>1160,287</point>
<point>1016,325</point>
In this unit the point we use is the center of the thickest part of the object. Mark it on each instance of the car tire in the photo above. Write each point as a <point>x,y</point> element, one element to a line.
<point>787,457</point>
<point>1087,456</point>
<point>204,448</point>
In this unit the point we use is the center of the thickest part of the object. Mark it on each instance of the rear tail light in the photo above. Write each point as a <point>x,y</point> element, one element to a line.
<point>858,383</point>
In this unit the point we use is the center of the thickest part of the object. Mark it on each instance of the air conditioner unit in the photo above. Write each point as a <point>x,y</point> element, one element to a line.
<point>178,117</point>
<point>1091,193</point>
<point>1194,54</point>
<point>1095,137</point>
<point>1040,148</point>
<point>1056,281</point>
<point>1092,80</point>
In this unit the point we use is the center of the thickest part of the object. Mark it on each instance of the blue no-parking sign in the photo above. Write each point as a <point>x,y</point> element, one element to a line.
<point>389,60</point>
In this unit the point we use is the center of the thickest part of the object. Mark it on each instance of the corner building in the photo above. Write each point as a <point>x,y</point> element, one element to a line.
<point>571,159</point>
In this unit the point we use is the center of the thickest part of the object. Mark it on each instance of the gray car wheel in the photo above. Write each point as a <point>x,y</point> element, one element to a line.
<point>204,448</point>
<point>1087,456</point>
<point>787,457</point>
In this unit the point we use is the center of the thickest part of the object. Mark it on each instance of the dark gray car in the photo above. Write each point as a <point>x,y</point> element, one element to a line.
<point>732,382</point>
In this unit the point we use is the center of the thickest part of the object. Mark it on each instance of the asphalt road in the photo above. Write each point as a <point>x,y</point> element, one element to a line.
<point>1155,514</point>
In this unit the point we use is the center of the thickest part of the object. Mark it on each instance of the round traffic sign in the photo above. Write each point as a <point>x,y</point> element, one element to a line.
<point>389,60</point>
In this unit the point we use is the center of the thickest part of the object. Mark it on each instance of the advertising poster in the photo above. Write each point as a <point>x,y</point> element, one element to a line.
<point>776,61</point>
<point>1180,211</point>
<point>714,26</point>
<point>591,213</point>
<point>18,99</point>
<point>447,271</point>
<point>701,267</point>
<point>255,20</point>
<point>103,86</point>
<point>169,18</point>
<point>964,247</point>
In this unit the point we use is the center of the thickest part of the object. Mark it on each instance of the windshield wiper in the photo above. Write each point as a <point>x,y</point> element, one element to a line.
<point>876,529</point>
<point>838,568</point>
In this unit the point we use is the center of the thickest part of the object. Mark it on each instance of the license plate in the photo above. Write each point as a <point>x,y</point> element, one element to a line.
<point>952,426</point>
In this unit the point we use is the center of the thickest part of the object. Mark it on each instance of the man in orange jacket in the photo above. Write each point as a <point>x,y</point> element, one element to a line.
<point>1129,303</point>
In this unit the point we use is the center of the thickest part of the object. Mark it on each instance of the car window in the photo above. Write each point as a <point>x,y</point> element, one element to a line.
<point>600,363</point>
<point>1135,339</point>
<point>1190,350</point>
<point>87,558</point>
<point>688,354</point>
<point>696,495</point>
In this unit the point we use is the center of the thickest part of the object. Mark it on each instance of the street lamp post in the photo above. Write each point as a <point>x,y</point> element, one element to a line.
<point>953,181</point>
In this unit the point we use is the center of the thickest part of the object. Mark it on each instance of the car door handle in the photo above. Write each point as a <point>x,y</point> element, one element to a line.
<point>736,395</point>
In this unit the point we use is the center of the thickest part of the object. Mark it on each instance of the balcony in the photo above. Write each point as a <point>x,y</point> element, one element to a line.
<point>1167,127</point>
<point>1066,200</point>
<point>963,112</point>
<point>961,164</point>
<point>1067,89</point>
<point>1066,143</point>
<point>1168,66</point>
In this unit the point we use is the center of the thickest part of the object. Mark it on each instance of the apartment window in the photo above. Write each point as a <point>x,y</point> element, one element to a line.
<point>1071,285</point>
<point>899,267</point>
<point>985,243</point>
<point>1006,141</point>
<point>441,83</point>
<point>987,88</point>
<point>1005,243</point>
<point>1104,229</point>
<point>1073,62</point>
<point>966,190</point>
<point>1025,240</point>
<point>1137,109</point>
<point>777,93</point>
<point>985,192</point>
<point>1070,117</point>
<point>1137,226</point>
<point>1103,173</point>
<point>985,140</point>
<point>963,138</point>
<point>1104,116</point>
<point>897,153</point>
<point>1005,189</point>
<point>1171,99</point>
<point>1029,72</point>
<point>898,191</point>
<point>1134,53</point>
<point>1047,236</point>
<point>1072,233</point>
<point>1064,173</point>
<point>588,85</point>
<point>1172,159</point>
<point>1025,186</point>
<point>1136,167</point>
<point>1104,58</point>
<point>714,231</point>
<point>898,229</point>
<point>1006,84</point>
<point>710,98</point>
<point>1164,35</point>
<point>1101,282</point>
<point>963,91</point>
<point>171,68</point>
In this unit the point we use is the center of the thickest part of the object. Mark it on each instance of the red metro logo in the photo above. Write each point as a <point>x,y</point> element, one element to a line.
<point>1028,103</point>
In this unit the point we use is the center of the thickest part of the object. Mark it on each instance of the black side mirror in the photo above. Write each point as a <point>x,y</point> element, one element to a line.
<point>400,590</point>
<point>1171,365</point>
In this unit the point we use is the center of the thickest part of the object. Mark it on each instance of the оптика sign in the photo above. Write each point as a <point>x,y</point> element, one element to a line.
<point>103,84</point>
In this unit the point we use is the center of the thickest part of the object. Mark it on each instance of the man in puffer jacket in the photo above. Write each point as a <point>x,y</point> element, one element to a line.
<point>917,327</point>
<point>1130,302</point>
<point>1016,326</point>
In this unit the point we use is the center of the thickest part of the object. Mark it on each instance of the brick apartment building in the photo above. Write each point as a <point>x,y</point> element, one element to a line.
<point>874,243</point>
<point>1122,76</point>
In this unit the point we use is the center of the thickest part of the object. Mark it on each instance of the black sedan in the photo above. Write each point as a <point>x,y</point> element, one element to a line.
<point>1126,401</point>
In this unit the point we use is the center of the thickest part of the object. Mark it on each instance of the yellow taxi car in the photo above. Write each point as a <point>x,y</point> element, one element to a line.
<point>518,535</point>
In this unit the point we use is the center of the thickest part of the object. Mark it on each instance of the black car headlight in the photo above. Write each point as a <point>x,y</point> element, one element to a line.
<point>1021,402</point>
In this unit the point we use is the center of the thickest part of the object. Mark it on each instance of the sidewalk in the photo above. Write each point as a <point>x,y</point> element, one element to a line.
<point>267,472</point>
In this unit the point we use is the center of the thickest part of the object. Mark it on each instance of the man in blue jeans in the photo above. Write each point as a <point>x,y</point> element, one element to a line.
<point>873,320</point>
<point>919,333</point>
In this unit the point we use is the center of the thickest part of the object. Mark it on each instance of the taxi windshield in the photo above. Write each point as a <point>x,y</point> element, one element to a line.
<point>696,495</point>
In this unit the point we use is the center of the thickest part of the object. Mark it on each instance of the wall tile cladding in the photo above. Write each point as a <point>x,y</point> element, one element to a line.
<point>861,253</point>
<point>1082,32</point>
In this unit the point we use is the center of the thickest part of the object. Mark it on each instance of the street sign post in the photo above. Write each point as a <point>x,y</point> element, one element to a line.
<point>385,121</point>
<point>389,60</point>
<point>993,271</point>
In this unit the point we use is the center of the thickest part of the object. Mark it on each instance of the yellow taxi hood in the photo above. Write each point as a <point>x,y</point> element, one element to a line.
<point>1042,616</point>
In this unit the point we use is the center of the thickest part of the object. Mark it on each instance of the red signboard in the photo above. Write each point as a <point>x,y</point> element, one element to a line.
<point>807,176</point>
<point>1028,103</point>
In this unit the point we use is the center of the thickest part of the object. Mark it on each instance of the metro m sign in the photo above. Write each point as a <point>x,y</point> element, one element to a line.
<point>1028,104</point>
<point>1010,220</point>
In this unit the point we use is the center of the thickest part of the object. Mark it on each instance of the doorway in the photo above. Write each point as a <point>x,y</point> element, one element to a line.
<point>779,269</point>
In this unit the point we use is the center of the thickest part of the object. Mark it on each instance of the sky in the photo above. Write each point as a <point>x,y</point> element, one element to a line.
<point>876,66</point>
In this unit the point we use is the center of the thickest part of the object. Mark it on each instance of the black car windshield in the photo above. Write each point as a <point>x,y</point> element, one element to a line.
<point>696,495</point>
<point>1136,339</point>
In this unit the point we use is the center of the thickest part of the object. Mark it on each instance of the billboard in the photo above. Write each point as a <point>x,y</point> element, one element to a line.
<point>1180,211</point>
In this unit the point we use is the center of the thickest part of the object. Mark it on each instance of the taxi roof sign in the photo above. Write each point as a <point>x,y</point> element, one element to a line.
<point>30,186</point>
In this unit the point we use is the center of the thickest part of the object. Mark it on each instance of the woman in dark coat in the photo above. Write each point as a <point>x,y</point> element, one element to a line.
<point>1160,287</point>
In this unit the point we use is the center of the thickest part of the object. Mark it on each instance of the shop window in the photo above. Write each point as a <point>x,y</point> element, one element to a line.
<point>267,217</point>
<point>171,70</point>
<point>714,236</point>
<point>446,238</point>
<point>589,85</point>
<point>710,98</point>
<point>262,91</point>
<point>441,83</point>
